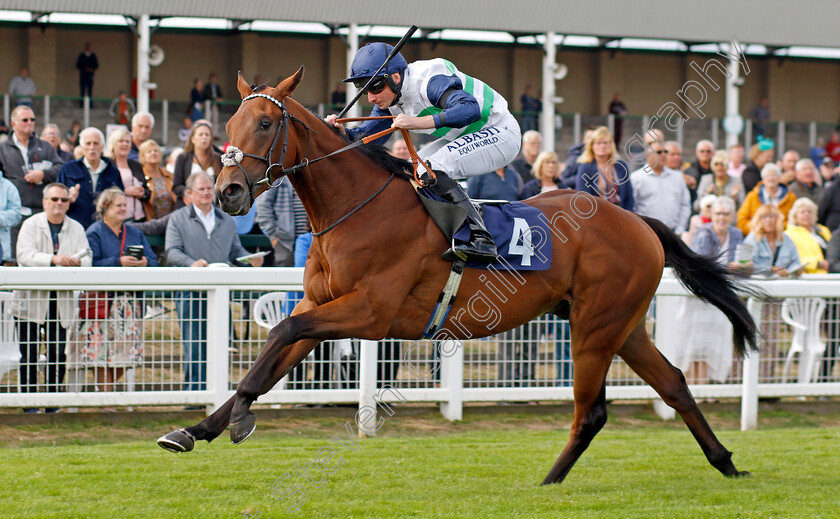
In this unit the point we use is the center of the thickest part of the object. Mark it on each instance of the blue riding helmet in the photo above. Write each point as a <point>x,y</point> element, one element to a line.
<point>370,58</point>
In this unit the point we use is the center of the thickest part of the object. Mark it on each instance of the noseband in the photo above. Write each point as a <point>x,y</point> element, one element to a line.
<point>233,156</point>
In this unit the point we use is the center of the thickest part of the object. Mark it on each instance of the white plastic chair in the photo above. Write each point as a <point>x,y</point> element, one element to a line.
<point>804,315</point>
<point>268,312</point>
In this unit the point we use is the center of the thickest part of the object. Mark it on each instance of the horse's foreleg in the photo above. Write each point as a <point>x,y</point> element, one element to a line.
<point>276,359</point>
<point>640,354</point>
<point>288,344</point>
<point>590,412</point>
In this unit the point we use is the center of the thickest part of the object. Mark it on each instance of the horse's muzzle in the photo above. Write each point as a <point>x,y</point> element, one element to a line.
<point>234,199</point>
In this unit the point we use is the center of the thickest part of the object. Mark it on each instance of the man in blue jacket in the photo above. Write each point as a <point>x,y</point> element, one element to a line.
<point>476,132</point>
<point>88,176</point>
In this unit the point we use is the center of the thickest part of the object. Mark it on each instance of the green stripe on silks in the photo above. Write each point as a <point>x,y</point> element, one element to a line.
<point>485,110</point>
<point>432,110</point>
<point>469,88</point>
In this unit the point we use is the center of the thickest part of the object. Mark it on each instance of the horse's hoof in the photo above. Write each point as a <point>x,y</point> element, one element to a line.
<point>742,474</point>
<point>177,441</point>
<point>240,430</point>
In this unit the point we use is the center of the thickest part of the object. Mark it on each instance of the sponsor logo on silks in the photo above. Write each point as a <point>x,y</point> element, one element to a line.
<point>474,140</point>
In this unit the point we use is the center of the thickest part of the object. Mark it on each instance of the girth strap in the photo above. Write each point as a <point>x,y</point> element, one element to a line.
<point>445,300</point>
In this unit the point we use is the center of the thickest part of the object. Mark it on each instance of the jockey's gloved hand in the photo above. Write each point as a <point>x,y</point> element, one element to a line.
<point>425,176</point>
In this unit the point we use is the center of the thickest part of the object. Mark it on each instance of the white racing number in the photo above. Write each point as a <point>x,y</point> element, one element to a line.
<point>520,241</point>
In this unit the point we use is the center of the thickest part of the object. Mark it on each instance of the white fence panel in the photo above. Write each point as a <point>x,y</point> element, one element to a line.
<point>216,306</point>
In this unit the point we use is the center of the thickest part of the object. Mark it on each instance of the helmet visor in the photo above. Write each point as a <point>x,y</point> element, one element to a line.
<point>377,86</point>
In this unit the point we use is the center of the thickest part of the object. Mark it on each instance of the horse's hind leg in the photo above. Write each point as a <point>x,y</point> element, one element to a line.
<point>591,362</point>
<point>640,354</point>
<point>590,417</point>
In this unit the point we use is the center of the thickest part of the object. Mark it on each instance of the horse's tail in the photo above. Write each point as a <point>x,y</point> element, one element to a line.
<point>708,280</point>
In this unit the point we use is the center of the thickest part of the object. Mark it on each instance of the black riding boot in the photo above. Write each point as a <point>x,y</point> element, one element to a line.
<point>480,248</point>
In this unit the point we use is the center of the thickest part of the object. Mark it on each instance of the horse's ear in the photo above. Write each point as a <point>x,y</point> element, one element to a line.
<point>244,88</point>
<point>288,85</point>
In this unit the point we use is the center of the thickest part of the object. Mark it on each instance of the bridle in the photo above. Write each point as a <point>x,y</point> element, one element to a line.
<point>233,157</point>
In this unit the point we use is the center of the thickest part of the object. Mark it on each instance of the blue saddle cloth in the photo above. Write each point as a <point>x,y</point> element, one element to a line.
<point>521,235</point>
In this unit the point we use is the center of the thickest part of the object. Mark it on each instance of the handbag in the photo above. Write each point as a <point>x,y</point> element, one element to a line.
<point>94,304</point>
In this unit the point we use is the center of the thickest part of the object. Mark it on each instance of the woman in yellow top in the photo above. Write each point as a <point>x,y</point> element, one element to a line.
<point>810,238</point>
<point>770,191</point>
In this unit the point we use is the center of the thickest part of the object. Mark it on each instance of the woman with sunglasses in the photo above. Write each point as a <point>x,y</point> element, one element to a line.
<point>476,132</point>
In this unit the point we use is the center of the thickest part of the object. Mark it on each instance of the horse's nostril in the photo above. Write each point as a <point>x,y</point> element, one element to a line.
<point>232,190</point>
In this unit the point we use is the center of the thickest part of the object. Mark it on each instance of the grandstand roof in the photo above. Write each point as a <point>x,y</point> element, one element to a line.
<point>775,23</point>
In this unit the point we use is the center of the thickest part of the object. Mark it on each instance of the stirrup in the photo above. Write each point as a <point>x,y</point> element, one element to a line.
<point>470,252</point>
<point>453,254</point>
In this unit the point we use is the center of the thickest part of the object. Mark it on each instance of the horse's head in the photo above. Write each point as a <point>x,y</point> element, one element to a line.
<point>262,142</point>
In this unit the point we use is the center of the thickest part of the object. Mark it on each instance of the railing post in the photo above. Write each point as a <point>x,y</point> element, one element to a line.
<point>46,110</point>
<point>666,338</point>
<point>577,132</point>
<point>748,129</point>
<point>680,124</point>
<point>780,140</point>
<point>715,132</point>
<point>611,124</point>
<point>165,117</point>
<point>6,108</point>
<point>749,397</point>
<point>452,378</point>
<point>86,110</point>
<point>812,135</point>
<point>368,358</point>
<point>218,346</point>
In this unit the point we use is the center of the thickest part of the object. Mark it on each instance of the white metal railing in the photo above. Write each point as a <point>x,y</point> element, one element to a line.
<point>469,372</point>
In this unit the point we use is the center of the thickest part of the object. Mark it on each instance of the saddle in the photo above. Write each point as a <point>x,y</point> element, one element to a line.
<point>521,232</point>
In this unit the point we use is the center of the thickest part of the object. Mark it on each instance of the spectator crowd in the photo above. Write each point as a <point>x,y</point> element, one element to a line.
<point>85,198</point>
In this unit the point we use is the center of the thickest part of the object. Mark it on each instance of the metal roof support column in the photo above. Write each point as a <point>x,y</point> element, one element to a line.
<point>143,69</point>
<point>352,49</point>
<point>548,82</point>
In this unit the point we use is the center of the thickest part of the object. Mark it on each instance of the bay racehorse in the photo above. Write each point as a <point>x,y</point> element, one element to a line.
<point>377,273</point>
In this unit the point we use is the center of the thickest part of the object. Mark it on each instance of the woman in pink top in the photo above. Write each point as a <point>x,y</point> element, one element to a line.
<point>131,172</point>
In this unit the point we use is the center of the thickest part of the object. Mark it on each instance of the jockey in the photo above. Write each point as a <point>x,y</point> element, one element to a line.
<point>476,132</point>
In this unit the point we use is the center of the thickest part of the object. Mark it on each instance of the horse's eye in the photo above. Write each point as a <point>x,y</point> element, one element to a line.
<point>265,125</point>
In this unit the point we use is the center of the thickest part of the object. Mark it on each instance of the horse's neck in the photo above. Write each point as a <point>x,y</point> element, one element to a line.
<point>331,188</point>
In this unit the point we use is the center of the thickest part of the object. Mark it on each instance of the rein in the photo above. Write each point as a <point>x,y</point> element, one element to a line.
<point>233,156</point>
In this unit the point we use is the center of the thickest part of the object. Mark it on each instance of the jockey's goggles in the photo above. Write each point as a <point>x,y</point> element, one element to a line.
<point>376,87</point>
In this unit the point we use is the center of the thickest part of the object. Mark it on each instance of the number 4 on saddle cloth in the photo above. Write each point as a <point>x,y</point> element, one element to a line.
<point>520,231</point>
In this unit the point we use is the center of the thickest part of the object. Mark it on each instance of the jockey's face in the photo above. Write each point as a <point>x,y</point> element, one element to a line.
<point>386,97</point>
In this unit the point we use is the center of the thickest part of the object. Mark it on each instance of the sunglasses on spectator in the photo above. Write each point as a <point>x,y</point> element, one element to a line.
<point>660,152</point>
<point>705,151</point>
<point>58,199</point>
<point>717,163</point>
<point>377,86</point>
<point>27,119</point>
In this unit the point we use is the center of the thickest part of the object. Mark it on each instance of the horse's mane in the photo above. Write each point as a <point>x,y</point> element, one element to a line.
<point>378,154</point>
